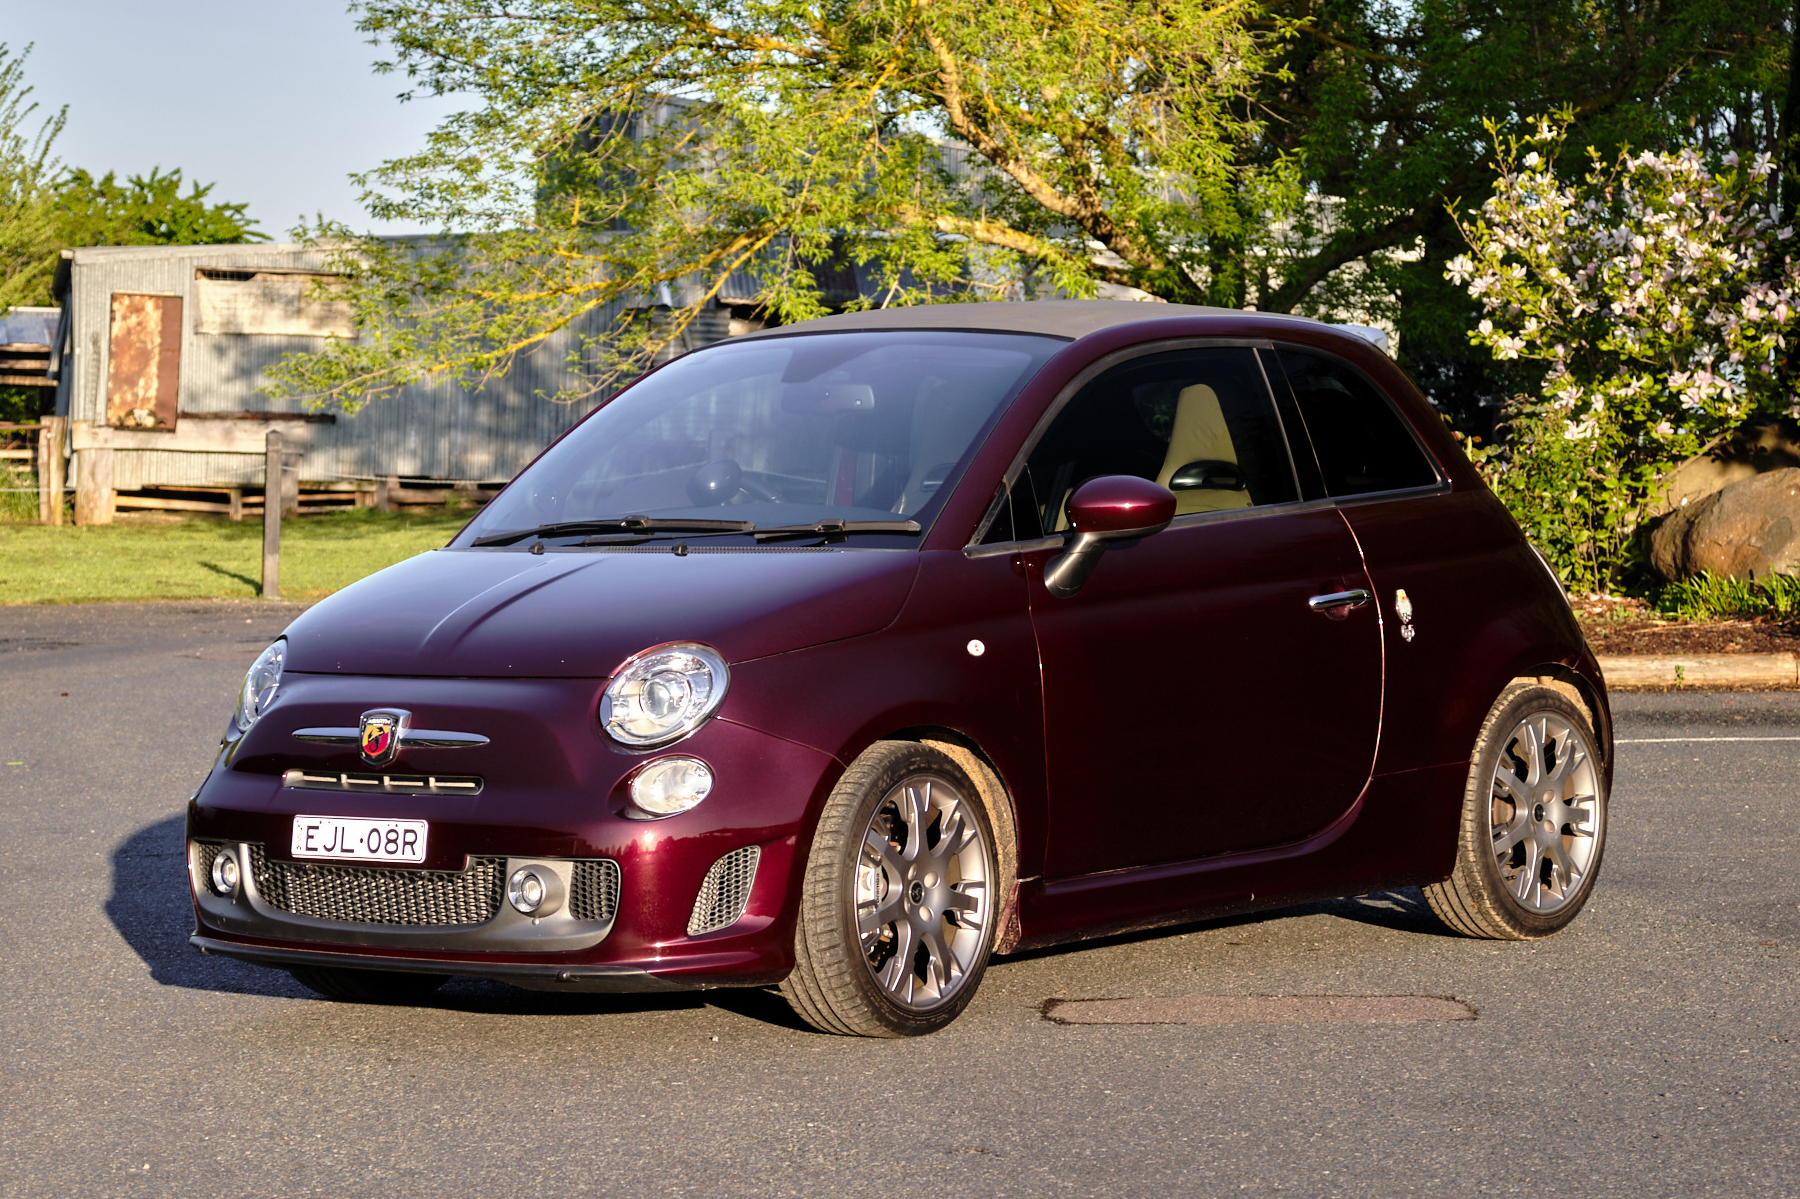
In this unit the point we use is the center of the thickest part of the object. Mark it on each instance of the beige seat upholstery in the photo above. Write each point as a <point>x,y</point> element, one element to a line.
<point>944,423</point>
<point>1200,433</point>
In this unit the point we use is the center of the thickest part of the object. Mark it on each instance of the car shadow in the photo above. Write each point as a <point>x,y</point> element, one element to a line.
<point>150,908</point>
<point>1402,910</point>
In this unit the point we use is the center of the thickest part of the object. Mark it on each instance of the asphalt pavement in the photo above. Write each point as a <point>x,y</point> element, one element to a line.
<point>1648,1050</point>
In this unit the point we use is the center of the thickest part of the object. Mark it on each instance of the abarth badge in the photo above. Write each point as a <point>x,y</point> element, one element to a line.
<point>1404,610</point>
<point>381,731</point>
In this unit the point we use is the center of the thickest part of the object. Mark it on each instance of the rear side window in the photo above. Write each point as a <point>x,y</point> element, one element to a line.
<point>1362,444</point>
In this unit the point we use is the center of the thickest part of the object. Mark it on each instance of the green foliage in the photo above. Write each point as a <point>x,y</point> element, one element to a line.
<point>1659,293</point>
<point>28,219</point>
<point>21,404</point>
<point>1292,154</point>
<point>147,210</point>
<point>1385,102</point>
<point>1714,597</point>
<point>628,150</point>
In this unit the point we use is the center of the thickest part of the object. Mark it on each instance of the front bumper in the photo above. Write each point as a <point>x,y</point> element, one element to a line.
<point>551,795</point>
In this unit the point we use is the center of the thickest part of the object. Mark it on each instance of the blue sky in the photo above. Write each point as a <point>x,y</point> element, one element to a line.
<point>275,103</point>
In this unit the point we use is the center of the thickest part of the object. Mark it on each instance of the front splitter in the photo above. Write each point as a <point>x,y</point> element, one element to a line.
<point>547,977</point>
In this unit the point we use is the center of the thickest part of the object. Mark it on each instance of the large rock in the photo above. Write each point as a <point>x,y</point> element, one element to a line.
<point>1759,445</point>
<point>1747,530</point>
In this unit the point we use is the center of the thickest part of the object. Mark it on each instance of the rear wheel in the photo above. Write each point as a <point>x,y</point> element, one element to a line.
<point>368,986</point>
<point>1534,820</point>
<point>899,903</point>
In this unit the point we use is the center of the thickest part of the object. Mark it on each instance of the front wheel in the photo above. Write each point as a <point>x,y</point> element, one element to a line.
<point>898,907</point>
<point>1533,823</point>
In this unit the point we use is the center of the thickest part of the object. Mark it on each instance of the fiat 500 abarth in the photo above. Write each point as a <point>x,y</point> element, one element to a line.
<point>847,655</point>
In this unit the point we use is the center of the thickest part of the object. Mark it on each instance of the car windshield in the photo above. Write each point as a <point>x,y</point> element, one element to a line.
<point>777,433</point>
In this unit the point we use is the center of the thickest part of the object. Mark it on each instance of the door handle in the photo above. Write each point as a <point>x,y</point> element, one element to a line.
<point>1338,603</point>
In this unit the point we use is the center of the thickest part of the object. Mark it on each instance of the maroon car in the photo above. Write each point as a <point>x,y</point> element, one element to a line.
<point>847,655</point>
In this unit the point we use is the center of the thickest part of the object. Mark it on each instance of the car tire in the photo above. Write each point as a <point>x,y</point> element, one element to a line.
<point>901,899</point>
<point>368,986</point>
<point>1533,821</point>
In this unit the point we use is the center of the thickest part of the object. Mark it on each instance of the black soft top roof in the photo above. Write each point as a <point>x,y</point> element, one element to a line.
<point>1055,318</point>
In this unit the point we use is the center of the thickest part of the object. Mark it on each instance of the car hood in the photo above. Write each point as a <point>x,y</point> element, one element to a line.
<point>508,614</point>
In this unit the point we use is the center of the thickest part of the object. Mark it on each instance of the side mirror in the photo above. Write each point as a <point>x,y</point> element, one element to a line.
<point>1102,511</point>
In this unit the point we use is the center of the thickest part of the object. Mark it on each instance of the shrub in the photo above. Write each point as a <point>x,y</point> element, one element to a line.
<point>1657,291</point>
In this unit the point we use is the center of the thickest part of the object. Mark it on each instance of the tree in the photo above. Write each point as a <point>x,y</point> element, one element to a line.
<point>1297,155</point>
<point>1385,103</point>
<point>147,210</point>
<point>28,220</point>
<point>958,149</point>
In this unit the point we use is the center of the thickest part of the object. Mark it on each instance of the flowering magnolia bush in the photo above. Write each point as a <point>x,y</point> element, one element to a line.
<point>1659,292</point>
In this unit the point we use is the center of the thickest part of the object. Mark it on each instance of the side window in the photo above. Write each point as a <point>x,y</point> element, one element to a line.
<point>1199,422</point>
<point>1362,444</point>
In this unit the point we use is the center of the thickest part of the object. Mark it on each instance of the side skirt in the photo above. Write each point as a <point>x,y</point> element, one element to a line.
<point>1401,831</point>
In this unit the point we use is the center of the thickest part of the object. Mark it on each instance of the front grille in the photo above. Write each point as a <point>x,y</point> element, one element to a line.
<point>594,890</point>
<point>389,784</point>
<point>368,895</point>
<point>725,891</point>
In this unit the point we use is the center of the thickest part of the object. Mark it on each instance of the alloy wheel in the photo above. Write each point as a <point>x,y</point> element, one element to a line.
<point>1545,812</point>
<point>922,894</point>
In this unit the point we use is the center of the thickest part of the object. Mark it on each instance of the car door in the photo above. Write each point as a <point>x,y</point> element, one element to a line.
<point>1197,700</point>
<point>1445,563</point>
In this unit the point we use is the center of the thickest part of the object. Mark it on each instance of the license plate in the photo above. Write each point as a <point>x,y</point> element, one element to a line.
<point>359,840</point>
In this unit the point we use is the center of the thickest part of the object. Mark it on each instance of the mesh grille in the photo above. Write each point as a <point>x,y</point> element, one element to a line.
<point>205,853</point>
<point>725,891</point>
<point>594,890</point>
<point>363,895</point>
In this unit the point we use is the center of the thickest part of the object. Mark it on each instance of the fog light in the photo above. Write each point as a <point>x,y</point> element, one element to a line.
<point>669,785</point>
<point>225,875</point>
<point>535,891</point>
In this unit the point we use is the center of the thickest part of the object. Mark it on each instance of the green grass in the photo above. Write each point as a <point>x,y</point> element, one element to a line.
<point>1713,597</point>
<point>202,557</point>
<point>18,493</point>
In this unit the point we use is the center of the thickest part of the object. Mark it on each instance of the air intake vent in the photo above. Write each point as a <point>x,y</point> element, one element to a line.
<point>364,895</point>
<point>203,853</point>
<point>725,891</point>
<point>594,890</point>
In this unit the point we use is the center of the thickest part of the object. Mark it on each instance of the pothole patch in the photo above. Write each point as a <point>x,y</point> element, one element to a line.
<point>1260,1009</point>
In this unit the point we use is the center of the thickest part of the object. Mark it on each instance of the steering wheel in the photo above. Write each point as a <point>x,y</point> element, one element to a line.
<point>721,482</point>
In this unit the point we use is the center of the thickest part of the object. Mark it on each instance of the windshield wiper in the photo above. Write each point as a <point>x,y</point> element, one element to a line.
<point>620,524</point>
<point>837,528</point>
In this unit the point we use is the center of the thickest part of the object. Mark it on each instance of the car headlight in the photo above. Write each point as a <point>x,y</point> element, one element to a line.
<point>260,685</point>
<point>663,694</point>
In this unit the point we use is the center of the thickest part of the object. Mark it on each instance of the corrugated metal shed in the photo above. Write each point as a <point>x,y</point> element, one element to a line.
<point>440,431</point>
<point>228,342</point>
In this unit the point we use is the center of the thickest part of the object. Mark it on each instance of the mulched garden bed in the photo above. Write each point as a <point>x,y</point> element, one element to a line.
<point>1616,626</point>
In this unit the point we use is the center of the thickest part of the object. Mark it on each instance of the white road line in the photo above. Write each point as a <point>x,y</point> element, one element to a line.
<point>1686,740</point>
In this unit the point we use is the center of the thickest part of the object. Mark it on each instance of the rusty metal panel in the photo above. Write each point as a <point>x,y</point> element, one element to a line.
<point>144,376</point>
